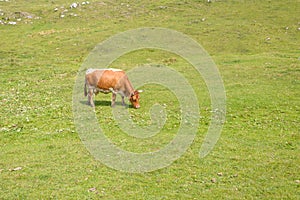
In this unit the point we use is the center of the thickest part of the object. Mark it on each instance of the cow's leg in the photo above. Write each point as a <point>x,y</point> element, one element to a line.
<point>90,97</point>
<point>113,99</point>
<point>123,102</point>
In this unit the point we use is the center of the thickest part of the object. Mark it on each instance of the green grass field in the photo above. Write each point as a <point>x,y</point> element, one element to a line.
<point>255,45</point>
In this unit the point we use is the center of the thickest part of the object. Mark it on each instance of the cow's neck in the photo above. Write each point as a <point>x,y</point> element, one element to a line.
<point>128,89</point>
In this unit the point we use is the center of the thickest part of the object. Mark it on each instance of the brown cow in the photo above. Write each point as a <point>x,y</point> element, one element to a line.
<point>110,80</point>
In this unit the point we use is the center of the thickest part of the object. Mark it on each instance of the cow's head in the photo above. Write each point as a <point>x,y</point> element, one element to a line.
<point>134,98</point>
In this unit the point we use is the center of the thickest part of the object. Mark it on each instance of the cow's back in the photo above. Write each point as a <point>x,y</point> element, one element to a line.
<point>105,78</point>
<point>111,79</point>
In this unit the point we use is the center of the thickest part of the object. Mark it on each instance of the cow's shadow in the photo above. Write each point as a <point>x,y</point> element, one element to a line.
<point>101,103</point>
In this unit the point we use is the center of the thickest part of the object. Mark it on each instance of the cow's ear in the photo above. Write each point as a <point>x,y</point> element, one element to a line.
<point>140,91</point>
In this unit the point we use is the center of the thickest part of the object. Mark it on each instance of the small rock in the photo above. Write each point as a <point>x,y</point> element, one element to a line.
<point>15,169</point>
<point>297,181</point>
<point>12,23</point>
<point>56,9</point>
<point>163,7</point>
<point>220,174</point>
<point>74,5</point>
<point>233,176</point>
<point>92,190</point>
<point>62,16</point>
<point>213,180</point>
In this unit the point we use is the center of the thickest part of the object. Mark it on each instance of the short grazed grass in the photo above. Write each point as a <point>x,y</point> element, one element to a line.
<point>255,45</point>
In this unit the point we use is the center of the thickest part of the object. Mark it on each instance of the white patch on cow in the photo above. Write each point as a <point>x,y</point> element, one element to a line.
<point>112,90</point>
<point>90,71</point>
<point>96,89</point>
<point>117,92</point>
<point>102,90</point>
<point>111,69</point>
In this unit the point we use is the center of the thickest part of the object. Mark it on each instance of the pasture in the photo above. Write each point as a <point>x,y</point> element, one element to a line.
<point>255,45</point>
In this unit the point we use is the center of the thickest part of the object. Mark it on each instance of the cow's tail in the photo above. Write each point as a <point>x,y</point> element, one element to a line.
<point>85,89</point>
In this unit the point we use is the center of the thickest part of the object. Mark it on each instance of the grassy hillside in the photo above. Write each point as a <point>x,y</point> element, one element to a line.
<point>255,45</point>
